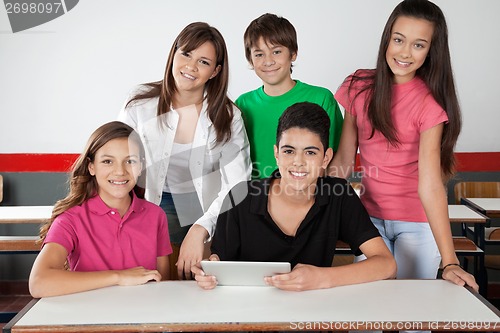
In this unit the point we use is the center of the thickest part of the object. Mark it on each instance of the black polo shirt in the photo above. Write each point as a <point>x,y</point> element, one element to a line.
<point>246,231</point>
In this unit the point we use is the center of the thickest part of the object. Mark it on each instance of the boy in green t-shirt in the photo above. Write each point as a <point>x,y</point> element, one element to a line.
<point>271,48</point>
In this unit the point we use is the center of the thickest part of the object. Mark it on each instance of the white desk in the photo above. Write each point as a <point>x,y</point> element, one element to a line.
<point>487,206</point>
<point>464,214</point>
<point>25,214</point>
<point>183,306</point>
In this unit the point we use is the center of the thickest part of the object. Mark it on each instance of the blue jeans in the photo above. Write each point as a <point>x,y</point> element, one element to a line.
<point>182,211</point>
<point>413,247</point>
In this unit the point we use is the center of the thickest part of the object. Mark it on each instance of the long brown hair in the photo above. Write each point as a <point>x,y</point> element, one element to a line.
<point>82,185</point>
<point>436,72</point>
<point>220,107</point>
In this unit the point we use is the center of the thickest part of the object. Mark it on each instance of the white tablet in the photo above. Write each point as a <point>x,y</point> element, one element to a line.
<point>243,273</point>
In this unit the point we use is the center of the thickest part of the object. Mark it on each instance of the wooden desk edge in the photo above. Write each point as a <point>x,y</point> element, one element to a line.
<point>24,221</point>
<point>484,301</point>
<point>8,327</point>
<point>468,220</point>
<point>234,327</point>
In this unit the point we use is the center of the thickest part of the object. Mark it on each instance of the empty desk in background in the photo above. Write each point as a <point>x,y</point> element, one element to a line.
<point>487,206</point>
<point>491,208</point>
<point>183,306</point>
<point>25,214</point>
<point>22,215</point>
<point>18,215</point>
<point>465,215</point>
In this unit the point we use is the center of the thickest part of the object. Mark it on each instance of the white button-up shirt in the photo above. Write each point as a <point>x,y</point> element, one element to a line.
<point>214,168</point>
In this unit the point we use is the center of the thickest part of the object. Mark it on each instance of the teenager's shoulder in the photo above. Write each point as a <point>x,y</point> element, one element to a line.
<point>235,111</point>
<point>144,205</point>
<point>332,189</point>
<point>364,72</point>
<point>248,96</point>
<point>73,215</point>
<point>236,197</point>
<point>359,78</point>
<point>138,90</point>
<point>68,216</point>
<point>312,93</point>
<point>313,88</point>
<point>334,181</point>
<point>254,187</point>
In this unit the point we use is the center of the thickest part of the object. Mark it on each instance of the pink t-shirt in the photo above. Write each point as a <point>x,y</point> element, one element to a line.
<point>390,174</point>
<point>97,239</point>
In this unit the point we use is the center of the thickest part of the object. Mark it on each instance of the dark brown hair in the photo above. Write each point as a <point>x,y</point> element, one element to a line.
<point>436,72</point>
<point>220,107</point>
<point>272,29</point>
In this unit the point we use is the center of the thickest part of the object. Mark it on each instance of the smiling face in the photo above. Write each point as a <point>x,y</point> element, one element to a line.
<point>301,159</point>
<point>116,167</point>
<point>272,63</point>
<point>408,47</point>
<point>191,70</point>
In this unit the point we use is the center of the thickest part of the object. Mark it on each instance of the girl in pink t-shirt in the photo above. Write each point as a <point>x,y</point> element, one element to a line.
<point>103,233</point>
<point>405,119</point>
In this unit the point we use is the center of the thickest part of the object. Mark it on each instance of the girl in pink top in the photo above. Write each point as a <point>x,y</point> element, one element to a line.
<point>103,233</point>
<point>405,119</point>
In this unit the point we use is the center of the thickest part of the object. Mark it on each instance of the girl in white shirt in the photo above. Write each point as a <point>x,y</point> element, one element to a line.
<point>196,145</point>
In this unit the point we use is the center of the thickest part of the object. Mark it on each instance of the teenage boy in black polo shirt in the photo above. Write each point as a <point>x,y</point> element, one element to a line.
<point>297,215</point>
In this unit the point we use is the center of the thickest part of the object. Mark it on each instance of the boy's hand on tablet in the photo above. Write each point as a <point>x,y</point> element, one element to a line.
<point>302,277</point>
<point>205,281</point>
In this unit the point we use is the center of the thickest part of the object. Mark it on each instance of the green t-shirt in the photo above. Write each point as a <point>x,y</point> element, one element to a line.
<point>261,114</point>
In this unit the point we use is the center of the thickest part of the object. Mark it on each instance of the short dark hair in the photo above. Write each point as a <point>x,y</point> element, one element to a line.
<point>306,115</point>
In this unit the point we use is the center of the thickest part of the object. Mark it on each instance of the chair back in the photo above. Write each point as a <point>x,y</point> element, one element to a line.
<point>358,187</point>
<point>476,190</point>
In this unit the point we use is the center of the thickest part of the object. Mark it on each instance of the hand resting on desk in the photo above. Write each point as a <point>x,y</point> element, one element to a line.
<point>49,277</point>
<point>458,276</point>
<point>137,275</point>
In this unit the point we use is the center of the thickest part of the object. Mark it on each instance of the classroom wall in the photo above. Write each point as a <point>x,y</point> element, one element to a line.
<point>62,79</point>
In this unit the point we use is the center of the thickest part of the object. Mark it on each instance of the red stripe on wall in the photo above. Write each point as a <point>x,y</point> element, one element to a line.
<point>478,161</point>
<point>473,162</point>
<point>36,162</point>
<point>466,162</point>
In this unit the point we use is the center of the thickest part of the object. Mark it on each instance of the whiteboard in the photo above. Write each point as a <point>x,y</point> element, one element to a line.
<point>61,80</point>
